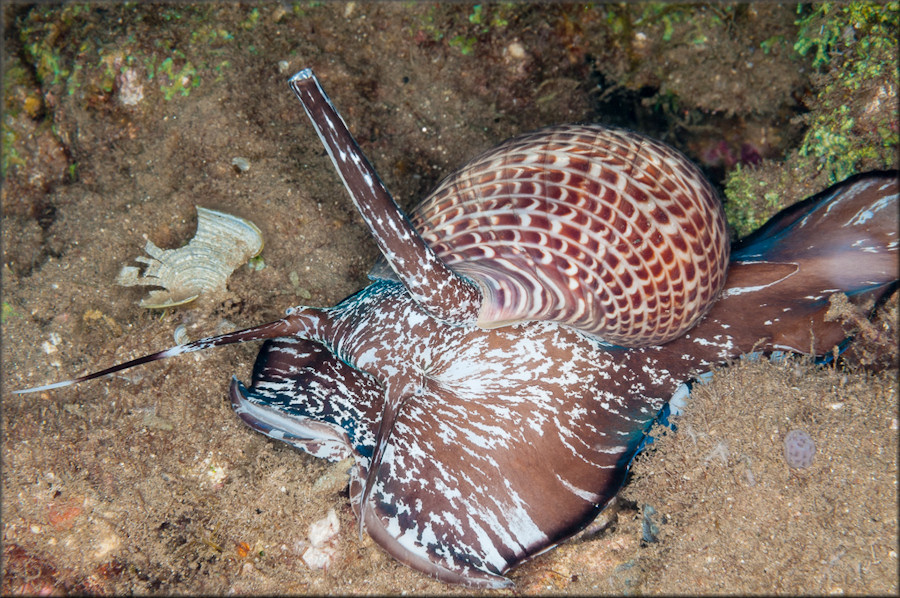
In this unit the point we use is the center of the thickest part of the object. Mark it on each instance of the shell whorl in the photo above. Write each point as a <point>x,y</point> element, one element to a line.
<point>602,229</point>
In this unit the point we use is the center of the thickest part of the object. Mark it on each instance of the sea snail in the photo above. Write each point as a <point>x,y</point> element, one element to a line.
<point>482,381</point>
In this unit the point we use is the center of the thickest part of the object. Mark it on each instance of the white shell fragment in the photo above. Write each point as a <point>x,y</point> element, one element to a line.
<point>181,335</point>
<point>222,244</point>
<point>323,540</point>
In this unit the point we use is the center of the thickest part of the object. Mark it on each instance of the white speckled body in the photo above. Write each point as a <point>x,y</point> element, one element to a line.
<point>478,406</point>
<point>505,441</point>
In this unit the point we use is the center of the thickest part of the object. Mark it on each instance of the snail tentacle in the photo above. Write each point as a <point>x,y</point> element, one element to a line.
<point>439,290</point>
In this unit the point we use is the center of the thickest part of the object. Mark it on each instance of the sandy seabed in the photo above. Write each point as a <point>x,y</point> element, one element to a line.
<point>146,482</point>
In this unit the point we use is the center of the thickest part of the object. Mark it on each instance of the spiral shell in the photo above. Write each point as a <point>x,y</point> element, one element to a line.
<point>602,229</point>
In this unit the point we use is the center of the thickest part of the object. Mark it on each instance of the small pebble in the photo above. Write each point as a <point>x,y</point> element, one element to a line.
<point>324,530</point>
<point>49,346</point>
<point>241,164</point>
<point>131,92</point>
<point>516,50</point>
<point>649,529</point>
<point>799,449</point>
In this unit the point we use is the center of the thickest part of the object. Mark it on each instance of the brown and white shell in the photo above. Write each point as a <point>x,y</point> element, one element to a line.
<point>602,229</point>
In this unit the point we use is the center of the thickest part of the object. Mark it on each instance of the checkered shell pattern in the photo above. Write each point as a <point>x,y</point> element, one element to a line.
<point>602,229</point>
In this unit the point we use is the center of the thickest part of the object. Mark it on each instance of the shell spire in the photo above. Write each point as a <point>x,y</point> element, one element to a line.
<point>441,292</point>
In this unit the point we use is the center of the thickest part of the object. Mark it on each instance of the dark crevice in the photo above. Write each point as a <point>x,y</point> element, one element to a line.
<point>712,141</point>
<point>46,216</point>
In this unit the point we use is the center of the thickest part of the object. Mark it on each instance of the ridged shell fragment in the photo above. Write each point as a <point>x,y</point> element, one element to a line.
<point>221,245</point>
